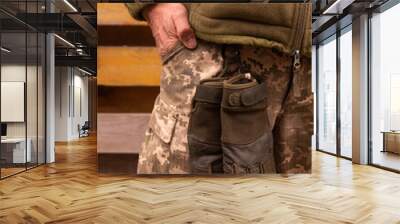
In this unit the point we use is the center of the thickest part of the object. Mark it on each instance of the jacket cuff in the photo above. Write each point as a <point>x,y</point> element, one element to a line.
<point>136,9</point>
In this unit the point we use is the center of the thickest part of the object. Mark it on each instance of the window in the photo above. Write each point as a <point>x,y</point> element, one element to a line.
<point>346,92</point>
<point>385,89</point>
<point>22,79</point>
<point>327,95</point>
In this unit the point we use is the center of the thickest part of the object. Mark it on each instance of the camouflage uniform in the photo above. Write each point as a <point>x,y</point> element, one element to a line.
<point>289,96</point>
<point>165,148</point>
<point>290,105</point>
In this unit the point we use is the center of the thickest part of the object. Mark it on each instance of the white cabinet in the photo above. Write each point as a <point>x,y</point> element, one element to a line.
<point>19,155</point>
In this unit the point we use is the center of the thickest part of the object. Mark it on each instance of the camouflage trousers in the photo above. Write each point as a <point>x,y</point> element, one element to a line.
<point>289,98</point>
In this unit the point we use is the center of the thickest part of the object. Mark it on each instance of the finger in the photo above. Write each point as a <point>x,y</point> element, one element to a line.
<point>167,40</point>
<point>164,40</point>
<point>184,32</point>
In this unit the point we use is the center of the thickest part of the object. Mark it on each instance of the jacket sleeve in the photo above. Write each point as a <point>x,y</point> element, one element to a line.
<point>136,9</point>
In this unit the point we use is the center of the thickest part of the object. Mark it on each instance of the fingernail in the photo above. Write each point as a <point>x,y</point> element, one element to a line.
<point>191,42</point>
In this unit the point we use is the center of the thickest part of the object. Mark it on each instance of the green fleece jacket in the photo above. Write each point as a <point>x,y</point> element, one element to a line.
<point>284,26</point>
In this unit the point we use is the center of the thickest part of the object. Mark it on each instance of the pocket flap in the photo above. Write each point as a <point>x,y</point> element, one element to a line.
<point>162,121</point>
<point>254,95</point>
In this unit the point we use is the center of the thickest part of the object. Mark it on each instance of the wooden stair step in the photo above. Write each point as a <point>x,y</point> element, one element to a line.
<point>128,66</point>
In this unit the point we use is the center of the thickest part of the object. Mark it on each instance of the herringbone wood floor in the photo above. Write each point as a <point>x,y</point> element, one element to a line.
<point>71,191</point>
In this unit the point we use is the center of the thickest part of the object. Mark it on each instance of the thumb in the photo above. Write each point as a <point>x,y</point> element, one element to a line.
<point>184,32</point>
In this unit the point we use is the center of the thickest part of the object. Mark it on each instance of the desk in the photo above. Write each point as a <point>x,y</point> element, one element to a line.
<point>391,141</point>
<point>13,150</point>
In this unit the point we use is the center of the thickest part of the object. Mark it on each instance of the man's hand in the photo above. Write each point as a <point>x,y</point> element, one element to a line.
<point>169,24</point>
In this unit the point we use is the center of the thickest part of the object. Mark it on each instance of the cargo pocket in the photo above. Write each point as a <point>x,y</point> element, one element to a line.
<point>164,116</point>
<point>163,121</point>
<point>155,154</point>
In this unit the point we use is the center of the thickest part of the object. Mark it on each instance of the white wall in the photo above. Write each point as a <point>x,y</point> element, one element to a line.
<point>12,101</point>
<point>16,73</point>
<point>71,93</point>
<point>81,102</point>
<point>62,81</point>
<point>33,127</point>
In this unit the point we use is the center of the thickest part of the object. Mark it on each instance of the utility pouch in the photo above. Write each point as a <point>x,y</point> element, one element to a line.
<point>247,141</point>
<point>204,131</point>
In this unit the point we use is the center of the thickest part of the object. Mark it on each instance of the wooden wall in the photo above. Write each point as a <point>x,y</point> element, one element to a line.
<point>128,82</point>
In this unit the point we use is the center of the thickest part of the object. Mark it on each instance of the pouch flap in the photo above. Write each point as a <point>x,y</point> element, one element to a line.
<point>162,121</point>
<point>254,95</point>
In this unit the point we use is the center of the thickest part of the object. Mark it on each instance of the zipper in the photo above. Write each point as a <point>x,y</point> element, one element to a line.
<point>296,60</point>
<point>303,12</point>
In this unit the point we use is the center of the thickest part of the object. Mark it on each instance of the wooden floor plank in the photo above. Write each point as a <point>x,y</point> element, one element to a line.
<point>71,191</point>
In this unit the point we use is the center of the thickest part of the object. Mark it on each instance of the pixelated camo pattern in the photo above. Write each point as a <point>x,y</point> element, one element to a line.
<point>165,150</point>
<point>290,105</point>
<point>289,97</point>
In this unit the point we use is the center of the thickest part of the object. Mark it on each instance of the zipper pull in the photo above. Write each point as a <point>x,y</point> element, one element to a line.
<point>248,76</point>
<point>296,60</point>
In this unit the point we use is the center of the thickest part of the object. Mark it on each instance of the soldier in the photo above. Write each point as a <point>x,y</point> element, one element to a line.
<point>247,58</point>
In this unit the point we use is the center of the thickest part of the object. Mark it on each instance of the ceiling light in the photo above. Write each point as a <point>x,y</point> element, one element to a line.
<point>80,51</point>
<point>5,50</point>
<point>70,5</point>
<point>337,7</point>
<point>65,41</point>
<point>84,71</point>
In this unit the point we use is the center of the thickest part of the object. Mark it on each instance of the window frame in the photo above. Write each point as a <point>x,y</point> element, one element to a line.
<point>336,35</point>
